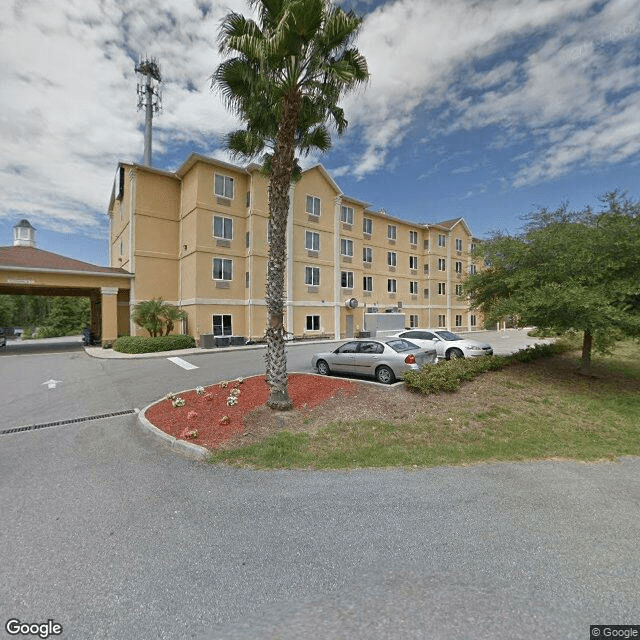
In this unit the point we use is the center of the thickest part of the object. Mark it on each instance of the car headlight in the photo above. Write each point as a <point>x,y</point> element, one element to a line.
<point>474,347</point>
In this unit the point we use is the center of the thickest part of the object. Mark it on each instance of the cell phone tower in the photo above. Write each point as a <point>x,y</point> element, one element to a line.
<point>149,99</point>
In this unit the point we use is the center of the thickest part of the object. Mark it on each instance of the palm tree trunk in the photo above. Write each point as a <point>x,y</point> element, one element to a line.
<point>282,169</point>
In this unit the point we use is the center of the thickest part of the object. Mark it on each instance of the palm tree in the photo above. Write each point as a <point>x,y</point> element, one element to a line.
<point>285,76</point>
<point>170,315</point>
<point>154,315</point>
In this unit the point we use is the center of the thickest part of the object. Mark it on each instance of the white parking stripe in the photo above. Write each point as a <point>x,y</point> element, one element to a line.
<point>182,363</point>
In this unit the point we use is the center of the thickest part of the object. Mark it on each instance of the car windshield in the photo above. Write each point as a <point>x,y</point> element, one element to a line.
<point>448,336</point>
<point>402,345</point>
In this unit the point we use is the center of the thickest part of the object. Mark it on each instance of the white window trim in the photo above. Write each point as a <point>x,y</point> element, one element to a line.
<point>348,273</point>
<point>314,270</point>
<point>224,186</point>
<point>223,316</point>
<point>346,214</point>
<point>346,242</point>
<point>312,234</point>
<point>223,218</point>
<point>213,267</point>
<point>314,199</point>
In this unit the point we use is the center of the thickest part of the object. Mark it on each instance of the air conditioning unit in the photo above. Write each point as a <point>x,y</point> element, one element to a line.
<point>372,310</point>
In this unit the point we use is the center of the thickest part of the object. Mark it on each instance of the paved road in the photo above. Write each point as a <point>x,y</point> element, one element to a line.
<point>114,537</point>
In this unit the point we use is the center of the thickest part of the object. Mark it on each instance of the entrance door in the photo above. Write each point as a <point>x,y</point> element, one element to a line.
<point>349,327</point>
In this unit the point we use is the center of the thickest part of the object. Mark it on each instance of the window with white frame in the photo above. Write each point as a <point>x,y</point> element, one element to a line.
<point>313,323</point>
<point>367,254</point>
<point>312,276</point>
<point>458,244</point>
<point>392,258</point>
<point>392,285</point>
<point>413,321</point>
<point>392,231</point>
<point>346,214</point>
<point>442,288</point>
<point>442,240</point>
<point>458,290</point>
<point>222,269</point>
<point>313,205</point>
<point>413,262</point>
<point>458,266</point>
<point>312,240</point>
<point>472,269</point>
<point>346,247</point>
<point>346,279</point>
<point>442,264</point>
<point>413,237</point>
<point>442,321</point>
<point>472,321</point>
<point>367,225</point>
<point>222,325</point>
<point>472,246</point>
<point>367,283</point>
<point>458,320</point>
<point>413,287</point>
<point>222,227</point>
<point>223,186</point>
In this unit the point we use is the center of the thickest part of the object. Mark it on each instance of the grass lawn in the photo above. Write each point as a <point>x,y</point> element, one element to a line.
<point>535,410</point>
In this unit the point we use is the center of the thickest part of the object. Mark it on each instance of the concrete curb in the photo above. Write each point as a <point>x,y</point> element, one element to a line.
<point>176,444</point>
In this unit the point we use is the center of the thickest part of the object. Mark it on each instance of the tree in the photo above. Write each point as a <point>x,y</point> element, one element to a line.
<point>285,76</point>
<point>568,271</point>
<point>156,316</point>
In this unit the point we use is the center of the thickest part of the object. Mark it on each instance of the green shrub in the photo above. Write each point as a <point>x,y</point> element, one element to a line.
<point>144,344</point>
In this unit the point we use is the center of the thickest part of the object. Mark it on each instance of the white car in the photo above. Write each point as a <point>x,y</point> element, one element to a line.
<point>448,345</point>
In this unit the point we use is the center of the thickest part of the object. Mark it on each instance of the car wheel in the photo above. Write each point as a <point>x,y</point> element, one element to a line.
<point>323,368</point>
<point>384,375</point>
<point>454,354</point>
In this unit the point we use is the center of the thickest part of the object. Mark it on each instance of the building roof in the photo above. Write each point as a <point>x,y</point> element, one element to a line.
<point>32,258</point>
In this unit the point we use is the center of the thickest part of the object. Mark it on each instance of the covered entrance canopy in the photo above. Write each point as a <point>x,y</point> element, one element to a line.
<point>26,270</point>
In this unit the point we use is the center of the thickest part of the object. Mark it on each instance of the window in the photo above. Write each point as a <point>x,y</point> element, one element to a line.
<point>458,244</point>
<point>313,323</point>
<point>346,247</point>
<point>472,321</point>
<point>223,186</point>
<point>222,269</point>
<point>442,288</point>
<point>367,283</point>
<point>458,266</point>
<point>346,279</point>
<point>367,225</point>
<point>367,254</point>
<point>246,279</point>
<point>413,321</point>
<point>222,227</point>
<point>425,293</point>
<point>392,258</point>
<point>346,214</point>
<point>391,231</point>
<point>413,287</point>
<point>247,240</point>
<point>413,237</point>
<point>312,276</point>
<point>442,264</point>
<point>442,240</point>
<point>312,240</point>
<point>313,205</point>
<point>121,245</point>
<point>458,320</point>
<point>472,269</point>
<point>222,325</point>
<point>442,321</point>
<point>472,246</point>
<point>458,289</point>
<point>413,262</point>
<point>391,285</point>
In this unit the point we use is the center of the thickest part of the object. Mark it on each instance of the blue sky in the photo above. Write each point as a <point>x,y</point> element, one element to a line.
<point>486,109</point>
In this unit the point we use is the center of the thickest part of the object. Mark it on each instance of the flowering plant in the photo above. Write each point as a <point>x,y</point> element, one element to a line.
<point>231,400</point>
<point>178,402</point>
<point>200,391</point>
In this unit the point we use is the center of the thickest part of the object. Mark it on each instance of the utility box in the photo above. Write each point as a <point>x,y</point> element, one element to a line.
<point>207,341</point>
<point>384,324</point>
<point>223,341</point>
<point>237,341</point>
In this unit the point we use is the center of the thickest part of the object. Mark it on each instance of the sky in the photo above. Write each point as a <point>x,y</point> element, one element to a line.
<point>482,109</point>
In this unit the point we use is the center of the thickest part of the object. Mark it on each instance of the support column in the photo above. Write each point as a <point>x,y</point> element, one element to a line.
<point>109,314</point>
<point>336,267</point>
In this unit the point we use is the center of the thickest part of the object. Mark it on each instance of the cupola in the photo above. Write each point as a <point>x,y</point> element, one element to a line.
<point>24,235</point>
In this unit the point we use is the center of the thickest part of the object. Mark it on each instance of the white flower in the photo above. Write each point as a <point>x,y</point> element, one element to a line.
<point>235,392</point>
<point>240,380</point>
<point>178,402</point>
<point>200,391</point>
<point>231,400</point>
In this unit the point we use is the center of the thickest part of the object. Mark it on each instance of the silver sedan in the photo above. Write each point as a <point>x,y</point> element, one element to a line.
<point>448,345</point>
<point>385,360</point>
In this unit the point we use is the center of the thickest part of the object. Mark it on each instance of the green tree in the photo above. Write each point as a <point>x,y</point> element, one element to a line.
<point>567,271</point>
<point>66,316</point>
<point>156,316</point>
<point>284,79</point>
<point>8,310</point>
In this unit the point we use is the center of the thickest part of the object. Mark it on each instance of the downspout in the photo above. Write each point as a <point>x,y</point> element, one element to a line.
<point>290,249</point>
<point>132,269</point>
<point>336,267</point>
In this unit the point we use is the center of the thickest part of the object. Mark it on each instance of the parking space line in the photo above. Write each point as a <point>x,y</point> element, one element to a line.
<point>182,363</point>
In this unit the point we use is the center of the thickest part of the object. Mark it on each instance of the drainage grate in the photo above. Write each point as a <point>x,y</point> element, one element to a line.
<point>33,427</point>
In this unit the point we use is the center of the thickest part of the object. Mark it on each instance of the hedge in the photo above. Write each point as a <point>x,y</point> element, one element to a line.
<point>144,344</point>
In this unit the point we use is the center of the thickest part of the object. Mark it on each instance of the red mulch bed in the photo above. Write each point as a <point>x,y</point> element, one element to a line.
<point>215,422</point>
